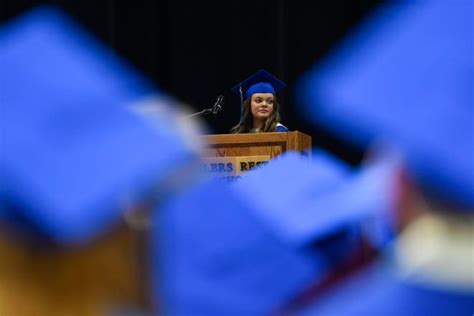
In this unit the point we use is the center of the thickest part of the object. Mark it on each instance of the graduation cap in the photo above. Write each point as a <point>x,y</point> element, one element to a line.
<point>260,82</point>
<point>303,200</point>
<point>403,78</point>
<point>252,253</point>
<point>71,149</point>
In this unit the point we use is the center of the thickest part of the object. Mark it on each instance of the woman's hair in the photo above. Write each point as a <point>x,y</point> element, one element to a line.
<point>246,121</point>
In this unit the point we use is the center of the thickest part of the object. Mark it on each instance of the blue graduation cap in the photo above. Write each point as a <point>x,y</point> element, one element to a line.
<point>71,150</point>
<point>246,248</point>
<point>260,82</point>
<point>212,256</point>
<point>403,77</point>
<point>303,200</point>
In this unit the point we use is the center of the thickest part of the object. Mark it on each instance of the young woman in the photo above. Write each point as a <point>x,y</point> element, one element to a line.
<point>260,110</point>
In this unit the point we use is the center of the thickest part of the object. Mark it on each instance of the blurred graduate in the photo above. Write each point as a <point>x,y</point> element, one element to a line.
<point>260,110</point>
<point>404,78</point>
<point>78,169</point>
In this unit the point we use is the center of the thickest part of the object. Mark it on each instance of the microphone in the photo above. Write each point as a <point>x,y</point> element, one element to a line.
<point>217,107</point>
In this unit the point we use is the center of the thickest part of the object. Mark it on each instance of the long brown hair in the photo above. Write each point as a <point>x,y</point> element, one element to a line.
<point>246,121</point>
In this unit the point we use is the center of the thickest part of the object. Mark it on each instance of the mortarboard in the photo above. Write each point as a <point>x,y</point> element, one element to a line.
<point>302,199</point>
<point>260,82</point>
<point>253,251</point>
<point>71,150</point>
<point>403,78</point>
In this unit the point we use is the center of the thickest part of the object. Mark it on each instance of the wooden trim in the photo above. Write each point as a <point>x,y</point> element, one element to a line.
<point>273,144</point>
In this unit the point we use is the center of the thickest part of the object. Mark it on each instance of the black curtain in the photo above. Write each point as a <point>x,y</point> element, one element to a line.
<point>196,50</point>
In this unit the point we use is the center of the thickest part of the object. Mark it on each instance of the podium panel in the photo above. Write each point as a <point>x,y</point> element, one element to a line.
<point>233,166</point>
<point>256,144</point>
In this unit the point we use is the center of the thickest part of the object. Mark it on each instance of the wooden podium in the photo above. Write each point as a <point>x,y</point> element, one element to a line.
<point>256,144</point>
<point>233,154</point>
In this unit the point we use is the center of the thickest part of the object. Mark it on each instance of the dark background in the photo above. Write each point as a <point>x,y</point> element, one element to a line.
<point>196,50</point>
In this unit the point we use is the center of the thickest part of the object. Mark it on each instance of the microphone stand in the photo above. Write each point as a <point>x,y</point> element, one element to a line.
<point>200,113</point>
<point>216,108</point>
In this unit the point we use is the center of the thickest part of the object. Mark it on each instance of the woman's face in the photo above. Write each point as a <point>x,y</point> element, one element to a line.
<point>261,105</point>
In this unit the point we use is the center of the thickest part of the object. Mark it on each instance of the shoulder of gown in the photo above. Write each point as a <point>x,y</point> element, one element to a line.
<point>281,128</point>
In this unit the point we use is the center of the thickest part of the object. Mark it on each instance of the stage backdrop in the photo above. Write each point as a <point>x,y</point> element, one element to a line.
<point>196,50</point>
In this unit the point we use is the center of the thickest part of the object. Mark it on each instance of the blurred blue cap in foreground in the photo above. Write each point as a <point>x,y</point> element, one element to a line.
<point>406,77</point>
<point>71,151</point>
<point>247,248</point>
<point>304,199</point>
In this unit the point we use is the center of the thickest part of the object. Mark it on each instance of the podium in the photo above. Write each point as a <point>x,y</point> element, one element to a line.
<point>233,154</point>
